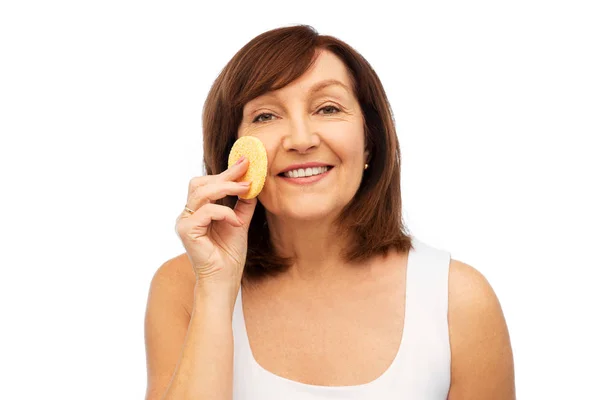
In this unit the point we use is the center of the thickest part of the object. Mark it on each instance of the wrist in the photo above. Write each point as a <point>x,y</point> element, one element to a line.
<point>212,295</point>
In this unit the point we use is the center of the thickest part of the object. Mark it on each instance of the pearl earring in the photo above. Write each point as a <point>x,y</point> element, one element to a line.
<point>366,166</point>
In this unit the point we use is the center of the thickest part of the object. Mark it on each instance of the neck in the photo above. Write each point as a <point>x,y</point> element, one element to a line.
<point>315,246</point>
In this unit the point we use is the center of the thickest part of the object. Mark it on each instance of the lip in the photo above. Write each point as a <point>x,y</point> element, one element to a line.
<point>306,180</point>
<point>304,165</point>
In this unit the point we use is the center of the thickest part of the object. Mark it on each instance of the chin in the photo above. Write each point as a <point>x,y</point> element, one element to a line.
<point>308,211</point>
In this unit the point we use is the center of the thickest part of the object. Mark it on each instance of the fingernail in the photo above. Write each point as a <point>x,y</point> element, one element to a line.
<point>242,158</point>
<point>244,183</point>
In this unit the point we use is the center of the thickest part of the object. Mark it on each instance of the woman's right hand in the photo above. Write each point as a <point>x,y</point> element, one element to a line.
<point>215,237</point>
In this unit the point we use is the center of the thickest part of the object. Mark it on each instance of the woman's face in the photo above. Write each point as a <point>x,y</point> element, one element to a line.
<point>310,121</point>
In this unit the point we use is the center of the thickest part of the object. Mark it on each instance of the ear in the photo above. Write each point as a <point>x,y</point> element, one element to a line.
<point>366,157</point>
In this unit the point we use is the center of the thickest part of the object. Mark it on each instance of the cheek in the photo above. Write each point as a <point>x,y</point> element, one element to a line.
<point>347,138</point>
<point>271,150</point>
<point>349,150</point>
<point>270,143</point>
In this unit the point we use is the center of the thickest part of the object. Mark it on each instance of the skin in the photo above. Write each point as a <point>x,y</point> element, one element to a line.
<point>482,365</point>
<point>297,129</point>
<point>482,358</point>
<point>336,299</point>
<point>296,126</point>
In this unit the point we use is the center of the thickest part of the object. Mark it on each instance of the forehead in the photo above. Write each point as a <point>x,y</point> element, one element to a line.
<point>327,69</point>
<point>326,66</point>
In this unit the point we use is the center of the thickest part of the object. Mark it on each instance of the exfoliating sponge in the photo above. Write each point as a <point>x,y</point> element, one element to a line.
<point>255,152</point>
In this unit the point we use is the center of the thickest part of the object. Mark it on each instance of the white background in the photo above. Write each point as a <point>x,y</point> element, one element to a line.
<point>497,107</point>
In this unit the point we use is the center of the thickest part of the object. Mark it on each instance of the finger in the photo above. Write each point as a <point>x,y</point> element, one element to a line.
<point>244,209</point>
<point>236,171</point>
<point>198,181</point>
<point>214,191</point>
<point>197,224</point>
<point>230,174</point>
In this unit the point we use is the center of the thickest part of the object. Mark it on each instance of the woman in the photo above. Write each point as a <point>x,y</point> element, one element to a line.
<point>313,290</point>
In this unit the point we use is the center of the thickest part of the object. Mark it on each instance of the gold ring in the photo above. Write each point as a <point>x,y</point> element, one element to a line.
<point>188,210</point>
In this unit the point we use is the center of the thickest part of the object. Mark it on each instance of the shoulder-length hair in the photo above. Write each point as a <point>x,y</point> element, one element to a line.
<point>270,61</point>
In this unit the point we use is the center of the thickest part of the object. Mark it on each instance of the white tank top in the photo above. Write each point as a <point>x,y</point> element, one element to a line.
<point>420,370</point>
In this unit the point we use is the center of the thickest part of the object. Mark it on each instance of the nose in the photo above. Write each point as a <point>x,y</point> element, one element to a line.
<point>300,136</point>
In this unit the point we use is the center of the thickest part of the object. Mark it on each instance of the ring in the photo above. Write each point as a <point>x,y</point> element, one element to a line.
<point>188,210</point>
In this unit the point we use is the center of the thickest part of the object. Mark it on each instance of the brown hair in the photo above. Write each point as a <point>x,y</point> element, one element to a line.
<point>270,61</point>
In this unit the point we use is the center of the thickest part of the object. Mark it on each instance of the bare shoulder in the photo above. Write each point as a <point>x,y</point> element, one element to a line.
<point>168,311</point>
<point>176,278</point>
<point>182,268</point>
<point>482,359</point>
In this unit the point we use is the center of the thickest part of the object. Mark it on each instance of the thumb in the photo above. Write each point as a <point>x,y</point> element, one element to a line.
<point>244,209</point>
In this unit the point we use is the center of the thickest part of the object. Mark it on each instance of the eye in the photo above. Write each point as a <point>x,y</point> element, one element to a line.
<point>257,118</point>
<point>330,108</point>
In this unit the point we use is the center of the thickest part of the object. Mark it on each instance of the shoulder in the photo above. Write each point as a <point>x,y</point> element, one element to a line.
<point>468,286</point>
<point>482,360</point>
<point>166,321</point>
<point>178,267</point>
<point>175,278</point>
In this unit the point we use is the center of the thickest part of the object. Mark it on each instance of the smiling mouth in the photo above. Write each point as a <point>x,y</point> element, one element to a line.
<point>284,174</point>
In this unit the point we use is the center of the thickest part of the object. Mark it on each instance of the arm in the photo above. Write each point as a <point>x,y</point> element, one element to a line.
<point>188,356</point>
<point>482,359</point>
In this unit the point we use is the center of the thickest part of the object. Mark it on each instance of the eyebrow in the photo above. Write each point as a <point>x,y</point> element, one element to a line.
<point>328,82</point>
<point>317,88</point>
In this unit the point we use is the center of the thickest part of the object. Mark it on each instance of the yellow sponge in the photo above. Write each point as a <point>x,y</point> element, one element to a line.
<point>255,152</point>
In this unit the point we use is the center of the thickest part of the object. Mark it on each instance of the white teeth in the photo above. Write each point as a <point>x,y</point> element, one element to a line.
<point>300,173</point>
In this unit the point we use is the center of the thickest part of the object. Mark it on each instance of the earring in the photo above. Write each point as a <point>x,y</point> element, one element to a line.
<point>366,166</point>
